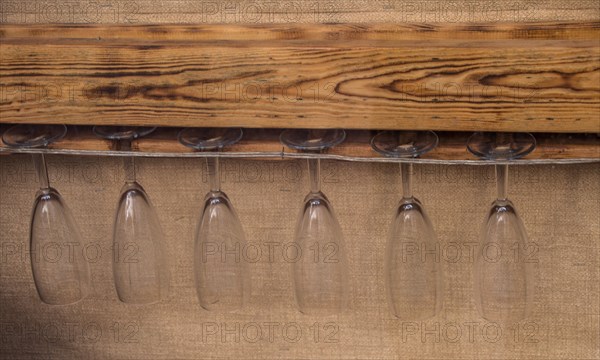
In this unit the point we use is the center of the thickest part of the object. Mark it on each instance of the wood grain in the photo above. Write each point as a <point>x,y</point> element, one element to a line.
<point>538,77</point>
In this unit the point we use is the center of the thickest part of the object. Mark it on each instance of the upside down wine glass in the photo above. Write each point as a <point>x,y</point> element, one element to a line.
<point>60,271</point>
<point>413,275</point>
<point>503,283</point>
<point>220,274</point>
<point>139,262</point>
<point>320,273</point>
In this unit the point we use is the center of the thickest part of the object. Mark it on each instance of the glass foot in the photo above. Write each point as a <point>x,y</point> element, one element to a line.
<point>122,132</point>
<point>501,146</point>
<point>312,139</point>
<point>404,144</point>
<point>33,136</point>
<point>209,139</point>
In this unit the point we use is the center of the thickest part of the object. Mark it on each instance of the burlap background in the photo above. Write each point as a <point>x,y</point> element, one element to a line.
<point>288,11</point>
<point>560,206</point>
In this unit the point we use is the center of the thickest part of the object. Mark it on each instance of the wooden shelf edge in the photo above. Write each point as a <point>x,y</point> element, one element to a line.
<point>304,34</point>
<point>264,143</point>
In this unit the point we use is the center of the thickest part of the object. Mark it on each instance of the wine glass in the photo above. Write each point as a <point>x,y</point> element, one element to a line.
<point>413,275</point>
<point>60,271</point>
<point>319,272</point>
<point>503,283</point>
<point>139,263</point>
<point>221,276</point>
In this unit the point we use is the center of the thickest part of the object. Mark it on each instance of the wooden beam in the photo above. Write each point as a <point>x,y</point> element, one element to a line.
<point>537,77</point>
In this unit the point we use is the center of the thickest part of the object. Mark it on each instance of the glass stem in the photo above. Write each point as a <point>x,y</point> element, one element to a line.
<point>128,162</point>
<point>502,181</point>
<point>406,170</point>
<point>129,165</point>
<point>212,165</point>
<point>314,173</point>
<point>39,161</point>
